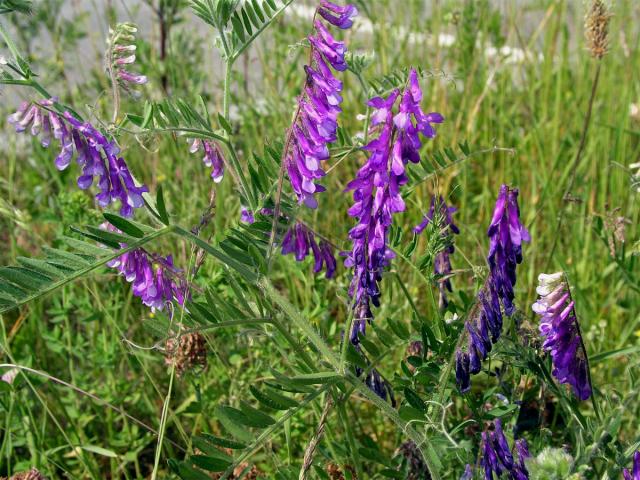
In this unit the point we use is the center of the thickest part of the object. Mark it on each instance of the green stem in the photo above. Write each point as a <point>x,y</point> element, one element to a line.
<point>422,442</point>
<point>288,309</point>
<point>227,89</point>
<point>163,424</point>
<point>342,411</point>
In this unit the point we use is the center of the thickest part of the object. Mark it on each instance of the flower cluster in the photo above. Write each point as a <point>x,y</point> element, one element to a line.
<point>442,261</point>
<point>379,386</point>
<point>498,458</point>
<point>315,123</point>
<point>212,157</point>
<point>635,474</point>
<point>560,329</point>
<point>376,188</point>
<point>299,240</point>
<point>154,278</point>
<point>506,235</point>
<point>95,154</point>
<point>121,54</point>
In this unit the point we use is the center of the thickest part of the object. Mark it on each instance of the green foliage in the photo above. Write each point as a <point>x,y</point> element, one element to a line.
<point>20,6</point>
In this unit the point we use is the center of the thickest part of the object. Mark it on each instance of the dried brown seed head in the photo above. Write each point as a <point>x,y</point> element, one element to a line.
<point>596,28</point>
<point>187,352</point>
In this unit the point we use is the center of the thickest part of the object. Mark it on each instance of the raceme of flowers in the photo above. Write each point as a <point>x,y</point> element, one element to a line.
<point>506,235</point>
<point>376,188</point>
<point>213,157</point>
<point>315,124</point>
<point>635,473</point>
<point>498,458</point>
<point>155,279</point>
<point>121,55</point>
<point>442,261</point>
<point>96,155</point>
<point>300,241</point>
<point>561,332</point>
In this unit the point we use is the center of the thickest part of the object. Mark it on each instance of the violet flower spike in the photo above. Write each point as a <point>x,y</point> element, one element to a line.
<point>376,188</point>
<point>315,124</point>
<point>506,235</point>
<point>635,474</point>
<point>561,332</point>
<point>498,459</point>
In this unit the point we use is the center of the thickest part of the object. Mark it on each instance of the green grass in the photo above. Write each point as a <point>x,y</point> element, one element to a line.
<point>96,336</point>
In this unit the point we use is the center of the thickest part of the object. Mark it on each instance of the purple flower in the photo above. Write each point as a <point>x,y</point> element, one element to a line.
<point>315,123</point>
<point>498,458</point>
<point>300,241</point>
<point>95,154</point>
<point>561,331</point>
<point>376,189</point>
<point>213,157</point>
<point>442,261</point>
<point>635,475</point>
<point>341,17</point>
<point>246,215</point>
<point>506,235</point>
<point>155,279</point>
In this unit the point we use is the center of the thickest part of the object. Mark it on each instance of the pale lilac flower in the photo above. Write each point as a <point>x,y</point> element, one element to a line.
<point>10,375</point>
<point>121,54</point>
<point>561,331</point>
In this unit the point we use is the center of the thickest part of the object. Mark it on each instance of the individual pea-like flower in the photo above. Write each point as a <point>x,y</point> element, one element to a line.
<point>341,17</point>
<point>376,188</point>
<point>300,240</point>
<point>213,157</point>
<point>96,155</point>
<point>246,215</point>
<point>506,235</point>
<point>121,55</point>
<point>315,123</point>
<point>561,332</point>
<point>498,458</point>
<point>635,473</point>
<point>442,260</point>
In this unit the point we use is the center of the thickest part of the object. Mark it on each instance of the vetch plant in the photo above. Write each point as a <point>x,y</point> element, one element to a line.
<point>232,361</point>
